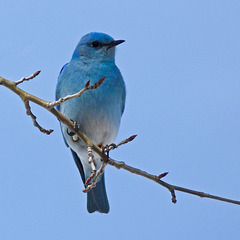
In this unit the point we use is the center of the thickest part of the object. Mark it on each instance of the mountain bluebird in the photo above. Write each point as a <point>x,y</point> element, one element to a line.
<point>97,112</point>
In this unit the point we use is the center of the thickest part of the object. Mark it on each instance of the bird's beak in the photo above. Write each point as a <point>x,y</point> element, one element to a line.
<point>115,43</point>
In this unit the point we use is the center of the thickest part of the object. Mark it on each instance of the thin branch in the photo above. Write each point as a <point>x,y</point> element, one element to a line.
<point>94,180</point>
<point>78,94</point>
<point>120,165</point>
<point>125,141</point>
<point>34,119</point>
<point>171,188</point>
<point>27,78</point>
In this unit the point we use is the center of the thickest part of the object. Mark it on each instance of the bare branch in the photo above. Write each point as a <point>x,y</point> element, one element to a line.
<point>34,119</point>
<point>26,97</point>
<point>131,138</point>
<point>78,94</point>
<point>94,180</point>
<point>171,188</point>
<point>125,141</point>
<point>27,78</point>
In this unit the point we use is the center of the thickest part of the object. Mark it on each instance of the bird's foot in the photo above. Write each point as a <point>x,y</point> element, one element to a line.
<point>106,149</point>
<point>74,136</point>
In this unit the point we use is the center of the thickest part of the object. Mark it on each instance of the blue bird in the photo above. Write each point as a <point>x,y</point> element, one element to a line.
<point>97,112</point>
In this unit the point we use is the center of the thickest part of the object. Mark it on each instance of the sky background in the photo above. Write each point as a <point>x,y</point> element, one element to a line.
<point>180,62</point>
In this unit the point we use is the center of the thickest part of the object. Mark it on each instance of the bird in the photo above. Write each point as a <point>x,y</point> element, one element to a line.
<point>97,112</point>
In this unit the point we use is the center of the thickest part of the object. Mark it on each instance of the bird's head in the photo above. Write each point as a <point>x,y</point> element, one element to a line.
<point>97,47</point>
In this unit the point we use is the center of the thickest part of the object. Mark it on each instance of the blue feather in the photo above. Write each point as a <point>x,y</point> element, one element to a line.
<point>97,112</point>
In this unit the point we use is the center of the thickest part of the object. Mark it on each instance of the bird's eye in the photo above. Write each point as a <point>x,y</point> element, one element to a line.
<point>96,44</point>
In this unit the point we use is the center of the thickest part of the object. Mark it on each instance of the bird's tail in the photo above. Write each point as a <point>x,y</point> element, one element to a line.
<point>97,198</point>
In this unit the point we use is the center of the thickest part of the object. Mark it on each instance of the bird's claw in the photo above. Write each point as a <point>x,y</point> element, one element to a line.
<point>107,149</point>
<point>74,136</point>
<point>76,126</point>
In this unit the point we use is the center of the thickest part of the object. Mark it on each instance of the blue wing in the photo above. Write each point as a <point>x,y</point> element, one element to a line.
<point>57,97</point>
<point>123,93</point>
<point>123,101</point>
<point>79,165</point>
<point>75,156</point>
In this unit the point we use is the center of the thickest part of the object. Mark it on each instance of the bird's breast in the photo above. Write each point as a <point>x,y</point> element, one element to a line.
<point>98,112</point>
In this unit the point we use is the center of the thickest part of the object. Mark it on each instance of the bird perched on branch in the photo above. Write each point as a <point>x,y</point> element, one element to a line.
<point>97,112</point>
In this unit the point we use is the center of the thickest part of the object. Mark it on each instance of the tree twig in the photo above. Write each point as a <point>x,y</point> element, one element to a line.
<point>27,78</point>
<point>125,141</point>
<point>120,165</point>
<point>94,180</point>
<point>34,119</point>
<point>78,94</point>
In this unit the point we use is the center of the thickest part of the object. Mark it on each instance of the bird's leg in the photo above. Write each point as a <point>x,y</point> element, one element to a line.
<point>74,136</point>
<point>93,166</point>
<point>95,174</point>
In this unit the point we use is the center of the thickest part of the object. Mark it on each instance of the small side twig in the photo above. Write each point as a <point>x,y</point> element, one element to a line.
<point>125,141</point>
<point>131,138</point>
<point>174,199</point>
<point>27,78</point>
<point>78,94</point>
<point>94,180</point>
<point>162,175</point>
<point>34,119</point>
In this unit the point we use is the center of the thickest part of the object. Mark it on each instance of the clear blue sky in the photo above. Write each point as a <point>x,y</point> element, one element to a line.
<point>180,62</point>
